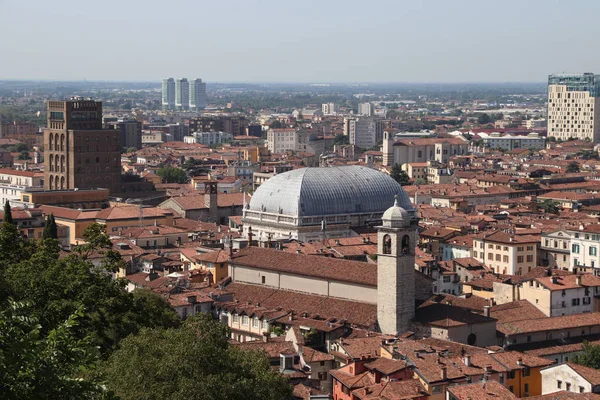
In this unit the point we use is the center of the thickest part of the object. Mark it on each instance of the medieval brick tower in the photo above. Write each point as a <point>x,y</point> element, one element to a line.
<point>396,240</point>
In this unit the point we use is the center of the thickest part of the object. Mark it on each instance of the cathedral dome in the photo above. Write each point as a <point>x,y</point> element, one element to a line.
<point>317,192</point>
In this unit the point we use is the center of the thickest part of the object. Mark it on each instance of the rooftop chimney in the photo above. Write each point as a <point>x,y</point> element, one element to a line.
<point>467,360</point>
<point>443,373</point>
<point>555,279</point>
<point>520,361</point>
<point>486,310</point>
<point>578,280</point>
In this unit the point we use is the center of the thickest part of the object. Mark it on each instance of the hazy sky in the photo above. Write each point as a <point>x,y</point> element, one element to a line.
<point>298,41</point>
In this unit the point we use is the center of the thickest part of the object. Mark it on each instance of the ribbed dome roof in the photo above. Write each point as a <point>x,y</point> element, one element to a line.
<point>310,192</point>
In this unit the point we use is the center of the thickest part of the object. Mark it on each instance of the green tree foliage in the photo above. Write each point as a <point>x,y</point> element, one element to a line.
<point>549,207</point>
<point>50,228</point>
<point>484,119</point>
<point>340,139</point>
<point>170,174</point>
<point>56,288</point>
<point>276,125</point>
<point>399,175</point>
<point>131,150</point>
<point>194,362</point>
<point>590,356</point>
<point>24,155</point>
<point>34,365</point>
<point>573,166</point>
<point>7,213</point>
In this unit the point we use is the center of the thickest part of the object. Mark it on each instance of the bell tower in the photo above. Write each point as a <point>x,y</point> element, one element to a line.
<point>396,240</point>
<point>388,147</point>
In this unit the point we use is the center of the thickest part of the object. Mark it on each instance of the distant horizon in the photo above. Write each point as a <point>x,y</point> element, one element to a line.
<point>269,41</point>
<point>159,81</point>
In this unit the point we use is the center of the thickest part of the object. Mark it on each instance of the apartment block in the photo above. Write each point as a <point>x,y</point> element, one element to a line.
<point>572,111</point>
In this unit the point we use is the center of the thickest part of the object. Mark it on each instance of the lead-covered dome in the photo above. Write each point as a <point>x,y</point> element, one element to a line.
<point>315,192</point>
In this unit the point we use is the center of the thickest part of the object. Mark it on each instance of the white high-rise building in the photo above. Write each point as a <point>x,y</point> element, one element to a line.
<point>182,94</point>
<point>329,109</point>
<point>168,94</point>
<point>362,132</point>
<point>365,109</point>
<point>197,95</point>
<point>572,106</point>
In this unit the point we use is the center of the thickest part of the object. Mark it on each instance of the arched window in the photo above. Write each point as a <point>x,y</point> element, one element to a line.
<point>472,339</point>
<point>62,183</point>
<point>62,142</point>
<point>62,163</point>
<point>56,163</point>
<point>51,160</point>
<point>50,141</point>
<point>387,244</point>
<point>405,244</point>
<point>51,182</point>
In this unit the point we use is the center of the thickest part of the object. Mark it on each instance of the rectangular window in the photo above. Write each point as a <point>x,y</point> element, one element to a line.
<point>575,249</point>
<point>568,387</point>
<point>530,258</point>
<point>490,256</point>
<point>263,279</point>
<point>526,372</point>
<point>255,323</point>
<point>526,387</point>
<point>497,257</point>
<point>236,318</point>
<point>511,388</point>
<point>520,248</point>
<point>559,384</point>
<point>519,259</point>
<point>592,251</point>
<point>244,320</point>
<point>581,389</point>
<point>505,259</point>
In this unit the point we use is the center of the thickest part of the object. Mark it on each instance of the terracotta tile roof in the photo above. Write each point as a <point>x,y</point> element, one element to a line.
<point>392,390</point>
<point>197,202</point>
<point>519,310</point>
<point>511,359</point>
<point>545,349</point>
<point>472,303</point>
<point>360,314</point>
<point>387,366</point>
<point>481,390</point>
<point>549,324</point>
<point>564,395</point>
<point>445,316</point>
<point>307,265</point>
<point>131,212</point>
<point>592,375</point>
<point>569,281</point>
<point>68,213</point>
<point>365,347</point>
<point>8,171</point>
<point>352,381</point>
<point>311,355</point>
<point>218,256</point>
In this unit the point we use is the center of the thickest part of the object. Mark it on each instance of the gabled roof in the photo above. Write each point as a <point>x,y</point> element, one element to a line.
<point>307,265</point>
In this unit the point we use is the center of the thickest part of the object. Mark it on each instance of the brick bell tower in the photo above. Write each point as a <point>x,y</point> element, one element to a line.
<point>396,240</point>
<point>210,200</point>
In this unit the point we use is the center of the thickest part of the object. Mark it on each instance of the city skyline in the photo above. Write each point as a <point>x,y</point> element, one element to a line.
<point>407,42</point>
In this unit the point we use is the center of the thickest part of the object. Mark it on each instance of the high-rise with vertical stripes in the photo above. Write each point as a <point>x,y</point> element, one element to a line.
<point>572,106</point>
<point>197,95</point>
